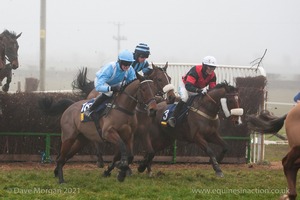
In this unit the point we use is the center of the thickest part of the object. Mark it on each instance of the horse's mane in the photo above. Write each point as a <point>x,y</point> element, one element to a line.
<point>226,85</point>
<point>8,33</point>
<point>124,86</point>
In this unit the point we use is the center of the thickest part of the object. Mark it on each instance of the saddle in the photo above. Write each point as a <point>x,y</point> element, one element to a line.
<point>171,108</point>
<point>97,114</point>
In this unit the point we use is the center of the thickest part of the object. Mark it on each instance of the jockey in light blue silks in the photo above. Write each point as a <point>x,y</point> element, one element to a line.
<point>110,78</point>
<point>141,53</point>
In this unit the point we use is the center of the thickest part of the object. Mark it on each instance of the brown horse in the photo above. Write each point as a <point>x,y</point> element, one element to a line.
<point>199,124</point>
<point>10,44</point>
<point>268,123</point>
<point>116,127</point>
<point>163,89</point>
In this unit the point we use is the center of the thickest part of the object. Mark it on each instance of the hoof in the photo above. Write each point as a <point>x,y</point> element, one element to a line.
<point>100,164</point>
<point>220,174</point>
<point>128,172</point>
<point>106,174</point>
<point>141,168</point>
<point>121,175</point>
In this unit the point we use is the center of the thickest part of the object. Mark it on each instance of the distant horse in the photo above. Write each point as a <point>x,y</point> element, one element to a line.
<point>199,124</point>
<point>268,123</point>
<point>116,127</point>
<point>163,89</point>
<point>11,47</point>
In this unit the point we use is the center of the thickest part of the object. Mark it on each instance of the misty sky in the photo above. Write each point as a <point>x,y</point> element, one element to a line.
<point>236,32</point>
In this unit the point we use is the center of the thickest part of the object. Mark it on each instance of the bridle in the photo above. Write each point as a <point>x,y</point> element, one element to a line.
<point>223,105</point>
<point>143,103</point>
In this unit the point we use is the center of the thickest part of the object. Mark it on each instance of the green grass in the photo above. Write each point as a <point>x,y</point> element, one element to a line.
<point>275,152</point>
<point>196,181</point>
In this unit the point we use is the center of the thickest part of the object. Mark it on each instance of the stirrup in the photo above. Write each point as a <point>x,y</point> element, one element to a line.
<point>172,122</point>
<point>88,112</point>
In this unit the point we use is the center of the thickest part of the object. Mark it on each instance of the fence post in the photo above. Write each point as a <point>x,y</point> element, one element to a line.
<point>174,152</point>
<point>47,150</point>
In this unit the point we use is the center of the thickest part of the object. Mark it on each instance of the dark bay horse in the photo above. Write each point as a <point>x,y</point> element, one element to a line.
<point>116,127</point>
<point>265,122</point>
<point>8,41</point>
<point>200,125</point>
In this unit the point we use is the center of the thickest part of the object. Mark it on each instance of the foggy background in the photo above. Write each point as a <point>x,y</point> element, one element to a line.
<point>80,32</point>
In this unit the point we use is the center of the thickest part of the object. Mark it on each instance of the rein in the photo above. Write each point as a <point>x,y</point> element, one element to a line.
<point>146,105</point>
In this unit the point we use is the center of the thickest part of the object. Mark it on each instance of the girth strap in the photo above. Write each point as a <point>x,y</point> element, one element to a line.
<point>203,114</point>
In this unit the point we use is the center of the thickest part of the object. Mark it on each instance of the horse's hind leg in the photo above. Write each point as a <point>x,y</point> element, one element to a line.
<point>61,160</point>
<point>291,164</point>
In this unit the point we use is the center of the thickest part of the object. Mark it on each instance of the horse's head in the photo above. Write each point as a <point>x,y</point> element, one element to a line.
<point>162,82</point>
<point>138,92</point>
<point>230,103</point>
<point>226,97</point>
<point>146,96</point>
<point>11,46</point>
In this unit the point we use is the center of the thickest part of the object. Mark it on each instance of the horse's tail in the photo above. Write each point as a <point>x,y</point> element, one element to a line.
<point>47,105</point>
<point>265,123</point>
<point>81,85</point>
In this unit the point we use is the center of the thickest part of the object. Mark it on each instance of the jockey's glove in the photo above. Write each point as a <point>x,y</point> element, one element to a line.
<point>115,88</point>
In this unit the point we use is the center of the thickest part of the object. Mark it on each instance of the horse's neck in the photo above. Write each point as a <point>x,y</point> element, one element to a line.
<point>127,99</point>
<point>209,103</point>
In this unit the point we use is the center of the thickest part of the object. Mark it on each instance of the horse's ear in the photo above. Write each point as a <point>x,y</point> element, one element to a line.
<point>166,66</point>
<point>153,66</point>
<point>140,77</point>
<point>18,35</point>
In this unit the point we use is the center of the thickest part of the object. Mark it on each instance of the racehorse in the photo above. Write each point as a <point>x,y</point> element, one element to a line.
<point>199,124</point>
<point>10,44</point>
<point>266,122</point>
<point>116,127</point>
<point>163,89</point>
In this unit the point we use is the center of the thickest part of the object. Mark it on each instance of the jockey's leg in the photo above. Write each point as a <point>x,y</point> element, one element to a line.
<point>98,101</point>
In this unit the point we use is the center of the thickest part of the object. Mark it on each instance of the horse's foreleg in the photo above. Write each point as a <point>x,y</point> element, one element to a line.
<point>204,145</point>
<point>8,80</point>
<point>219,141</point>
<point>110,167</point>
<point>100,161</point>
<point>146,163</point>
<point>291,164</point>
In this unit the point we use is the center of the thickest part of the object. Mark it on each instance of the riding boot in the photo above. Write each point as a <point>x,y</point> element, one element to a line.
<point>172,120</point>
<point>98,101</point>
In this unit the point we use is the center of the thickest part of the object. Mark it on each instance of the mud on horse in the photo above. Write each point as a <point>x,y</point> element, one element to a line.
<point>10,46</point>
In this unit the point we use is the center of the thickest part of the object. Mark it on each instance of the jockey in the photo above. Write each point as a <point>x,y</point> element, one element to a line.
<point>297,98</point>
<point>110,78</point>
<point>141,53</point>
<point>195,82</point>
